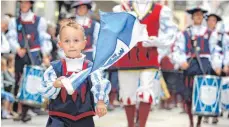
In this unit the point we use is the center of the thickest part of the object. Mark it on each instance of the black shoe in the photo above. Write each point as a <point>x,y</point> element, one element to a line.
<point>215,121</point>
<point>40,112</point>
<point>26,118</point>
<point>17,118</point>
<point>221,114</point>
<point>206,119</point>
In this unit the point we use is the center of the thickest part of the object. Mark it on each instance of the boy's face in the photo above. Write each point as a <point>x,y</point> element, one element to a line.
<point>25,6</point>
<point>212,21</point>
<point>82,10</point>
<point>72,42</point>
<point>198,17</point>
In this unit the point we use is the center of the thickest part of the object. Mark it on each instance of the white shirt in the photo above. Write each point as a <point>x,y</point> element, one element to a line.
<point>5,47</point>
<point>225,49</point>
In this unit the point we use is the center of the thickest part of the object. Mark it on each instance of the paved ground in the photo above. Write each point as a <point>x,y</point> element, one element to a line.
<point>157,118</point>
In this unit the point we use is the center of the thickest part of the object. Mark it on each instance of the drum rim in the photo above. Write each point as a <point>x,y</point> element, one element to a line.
<point>208,76</point>
<point>35,67</point>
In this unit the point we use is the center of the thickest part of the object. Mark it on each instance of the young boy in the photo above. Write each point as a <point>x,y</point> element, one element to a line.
<point>76,109</point>
<point>212,20</point>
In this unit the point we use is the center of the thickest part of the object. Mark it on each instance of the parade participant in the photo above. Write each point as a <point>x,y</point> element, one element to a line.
<point>140,80</point>
<point>91,27</point>
<point>5,47</point>
<point>225,46</point>
<point>196,38</point>
<point>76,109</point>
<point>212,20</point>
<point>30,28</point>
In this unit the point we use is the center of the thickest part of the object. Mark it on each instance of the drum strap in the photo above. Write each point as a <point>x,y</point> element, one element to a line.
<point>27,45</point>
<point>195,47</point>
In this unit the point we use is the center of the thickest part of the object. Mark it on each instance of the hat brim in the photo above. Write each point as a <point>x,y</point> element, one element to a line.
<point>216,16</point>
<point>77,5</point>
<point>192,11</point>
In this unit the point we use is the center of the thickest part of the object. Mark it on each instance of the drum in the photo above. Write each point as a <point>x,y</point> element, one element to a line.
<point>206,95</point>
<point>225,93</point>
<point>31,81</point>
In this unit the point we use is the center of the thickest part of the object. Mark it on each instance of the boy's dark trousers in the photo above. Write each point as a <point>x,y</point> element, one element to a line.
<point>54,121</point>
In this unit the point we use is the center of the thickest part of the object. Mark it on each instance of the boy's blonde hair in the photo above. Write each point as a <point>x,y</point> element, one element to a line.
<point>70,23</point>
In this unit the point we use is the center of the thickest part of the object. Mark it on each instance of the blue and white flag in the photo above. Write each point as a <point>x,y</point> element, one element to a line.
<point>119,33</point>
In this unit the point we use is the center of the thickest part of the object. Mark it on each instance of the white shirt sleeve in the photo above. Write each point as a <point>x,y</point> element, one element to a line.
<point>226,50</point>
<point>46,44</point>
<point>168,29</point>
<point>5,47</point>
<point>178,56</point>
<point>216,57</point>
<point>101,87</point>
<point>46,88</point>
<point>12,36</point>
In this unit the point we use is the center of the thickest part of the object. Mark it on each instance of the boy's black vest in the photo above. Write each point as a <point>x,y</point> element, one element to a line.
<point>76,106</point>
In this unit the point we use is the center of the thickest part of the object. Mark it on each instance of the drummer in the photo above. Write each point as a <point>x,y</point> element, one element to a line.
<point>198,37</point>
<point>212,20</point>
<point>39,44</point>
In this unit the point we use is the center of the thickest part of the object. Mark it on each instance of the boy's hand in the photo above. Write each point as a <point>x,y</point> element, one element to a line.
<point>184,66</point>
<point>58,83</point>
<point>46,60</point>
<point>226,69</point>
<point>21,52</point>
<point>218,71</point>
<point>101,109</point>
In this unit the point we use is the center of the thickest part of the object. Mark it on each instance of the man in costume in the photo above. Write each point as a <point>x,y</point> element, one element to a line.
<point>138,70</point>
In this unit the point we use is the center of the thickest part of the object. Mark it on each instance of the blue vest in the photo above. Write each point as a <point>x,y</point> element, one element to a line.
<point>89,34</point>
<point>202,42</point>
<point>76,106</point>
<point>32,35</point>
<point>31,30</point>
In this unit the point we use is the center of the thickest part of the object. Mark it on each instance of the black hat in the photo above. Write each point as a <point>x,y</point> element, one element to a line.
<point>193,10</point>
<point>31,1</point>
<point>82,2</point>
<point>216,16</point>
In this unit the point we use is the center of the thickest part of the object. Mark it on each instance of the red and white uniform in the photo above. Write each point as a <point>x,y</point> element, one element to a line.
<point>139,74</point>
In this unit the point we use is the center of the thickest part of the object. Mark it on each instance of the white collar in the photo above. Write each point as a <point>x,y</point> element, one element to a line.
<point>76,64</point>
<point>75,59</point>
<point>28,16</point>
<point>83,20</point>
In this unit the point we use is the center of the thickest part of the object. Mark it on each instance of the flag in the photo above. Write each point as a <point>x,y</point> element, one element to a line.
<point>118,34</point>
